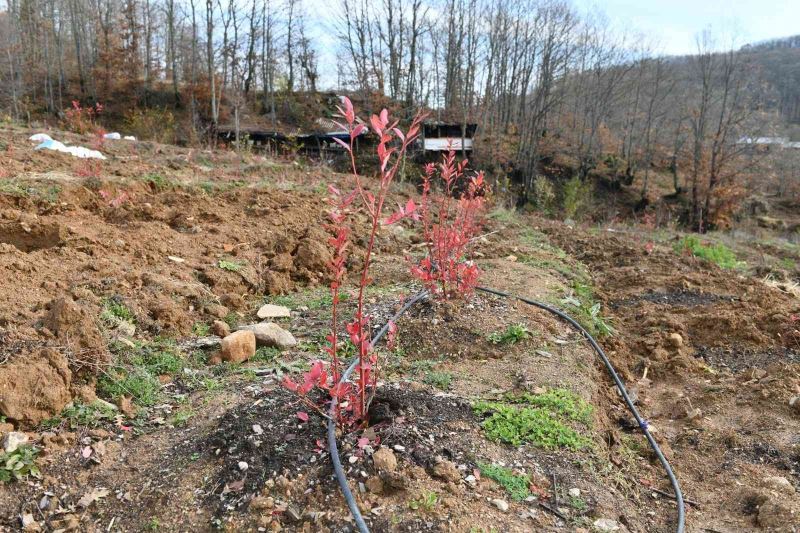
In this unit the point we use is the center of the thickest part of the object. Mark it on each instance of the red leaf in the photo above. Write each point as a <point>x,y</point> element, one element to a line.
<point>342,143</point>
<point>302,415</point>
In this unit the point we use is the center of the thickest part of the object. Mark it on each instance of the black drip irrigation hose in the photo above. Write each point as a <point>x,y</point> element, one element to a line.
<point>334,451</point>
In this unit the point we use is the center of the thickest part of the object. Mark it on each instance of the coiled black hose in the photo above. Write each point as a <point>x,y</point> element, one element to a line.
<point>334,451</point>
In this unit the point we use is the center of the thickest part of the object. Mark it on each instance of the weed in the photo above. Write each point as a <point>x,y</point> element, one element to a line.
<point>427,501</point>
<point>788,264</point>
<point>80,415</point>
<point>230,266</point>
<point>581,298</point>
<point>440,380</point>
<point>513,334</point>
<point>558,401</point>
<point>157,182</point>
<point>517,426</point>
<point>517,485</point>
<point>182,417</point>
<point>114,312</point>
<point>82,119</point>
<point>266,354</point>
<point>232,319</point>
<point>137,370</point>
<point>200,329</point>
<point>719,254</point>
<point>19,464</point>
<point>577,503</point>
<point>504,215</point>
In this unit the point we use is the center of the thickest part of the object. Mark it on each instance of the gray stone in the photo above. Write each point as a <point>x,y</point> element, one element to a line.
<point>271,334</point>
<point>14,440</point>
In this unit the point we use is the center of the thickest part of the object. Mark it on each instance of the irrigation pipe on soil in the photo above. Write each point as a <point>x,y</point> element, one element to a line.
<point>334,450</point>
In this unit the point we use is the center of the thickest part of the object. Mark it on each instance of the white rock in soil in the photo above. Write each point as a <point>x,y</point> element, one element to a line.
<point>273,311</point>
<point>575,492</point>
<point>257,429</point>
<point>14,440</point>
<point>500,504</point>
<point>606,524</point>
<point>271,334</point>
<point>243,466</point>
<point>780,484</point>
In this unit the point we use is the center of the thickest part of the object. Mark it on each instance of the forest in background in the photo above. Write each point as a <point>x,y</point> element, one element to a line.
<point>556,92</point>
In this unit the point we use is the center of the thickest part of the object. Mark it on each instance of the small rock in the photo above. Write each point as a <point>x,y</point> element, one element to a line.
<point>261,503</point>
<point>257,429</point>
<point>14,440</point>
<point>575,492</point>
<point>238,346</point>
<point>779,483</point>
<point>500,504</point>
<point>774,514</point>
<point>794,403</point>
<point>374,484</point>
<point>606,524</point>
<point>675,340</point>
<point>271,335</point>
<point>273,311</point>
<point>758,373</point>
<point>219,311</point>
<point>399,448</point>
<point>384,460</point>
<point>694,414</point>
<point>446,470</point>
<point>220,328</point>
<point>511,258</point>
<point>471,480</point>
<point>243,466</point>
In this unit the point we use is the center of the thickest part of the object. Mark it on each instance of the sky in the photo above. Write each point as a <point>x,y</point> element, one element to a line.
<point>673,24</point>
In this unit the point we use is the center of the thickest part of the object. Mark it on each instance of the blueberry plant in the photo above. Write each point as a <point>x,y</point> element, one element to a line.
<point>450,221</point>
<point>352,399</point>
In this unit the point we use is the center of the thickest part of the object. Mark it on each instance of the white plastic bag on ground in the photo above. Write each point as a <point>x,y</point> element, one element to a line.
<point>112,136</point>
<point>40,137</point>
<point>77,151</point>
<point>129,138</point>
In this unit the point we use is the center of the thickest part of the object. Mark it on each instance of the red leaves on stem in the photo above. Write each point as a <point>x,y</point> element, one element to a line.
<point>352,398</point>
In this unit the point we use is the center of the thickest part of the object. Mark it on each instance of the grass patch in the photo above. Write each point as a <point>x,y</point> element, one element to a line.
<point>719,254</point>
<point>266,355</point>
<point>19,464</point>
<point>156,181</point>
<point>520,425</point>
<point>136,370</point>
<point>230,266</point>
<point>81,415</point>
<point>517,485</point>
<point>513,334</point>
<point>115,311</point>
<point>560,402</point>
<point>504,215</point>
<point>201,329</point>
<point>543,420</point>
<point>440,380</point>
<point>587,311</point>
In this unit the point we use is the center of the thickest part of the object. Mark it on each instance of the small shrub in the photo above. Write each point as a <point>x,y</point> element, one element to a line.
<point>19,464</point>
<point>513,334</point>
<point>81,119</point>
<point>114,312</point>
<point>449,226</point>
<point>577,193</point>
<point>517,485</point>
<point>544,194</point>
<point>719,254</point>
<point>153,123</point>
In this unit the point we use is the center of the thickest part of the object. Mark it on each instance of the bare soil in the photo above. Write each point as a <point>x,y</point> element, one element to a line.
<point>232,454</point>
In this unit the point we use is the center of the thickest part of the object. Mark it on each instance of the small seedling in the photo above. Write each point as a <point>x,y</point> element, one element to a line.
<point>19,464</point>
<point>440,380</point>
<point>427,501</point>
<point>512,334</point>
